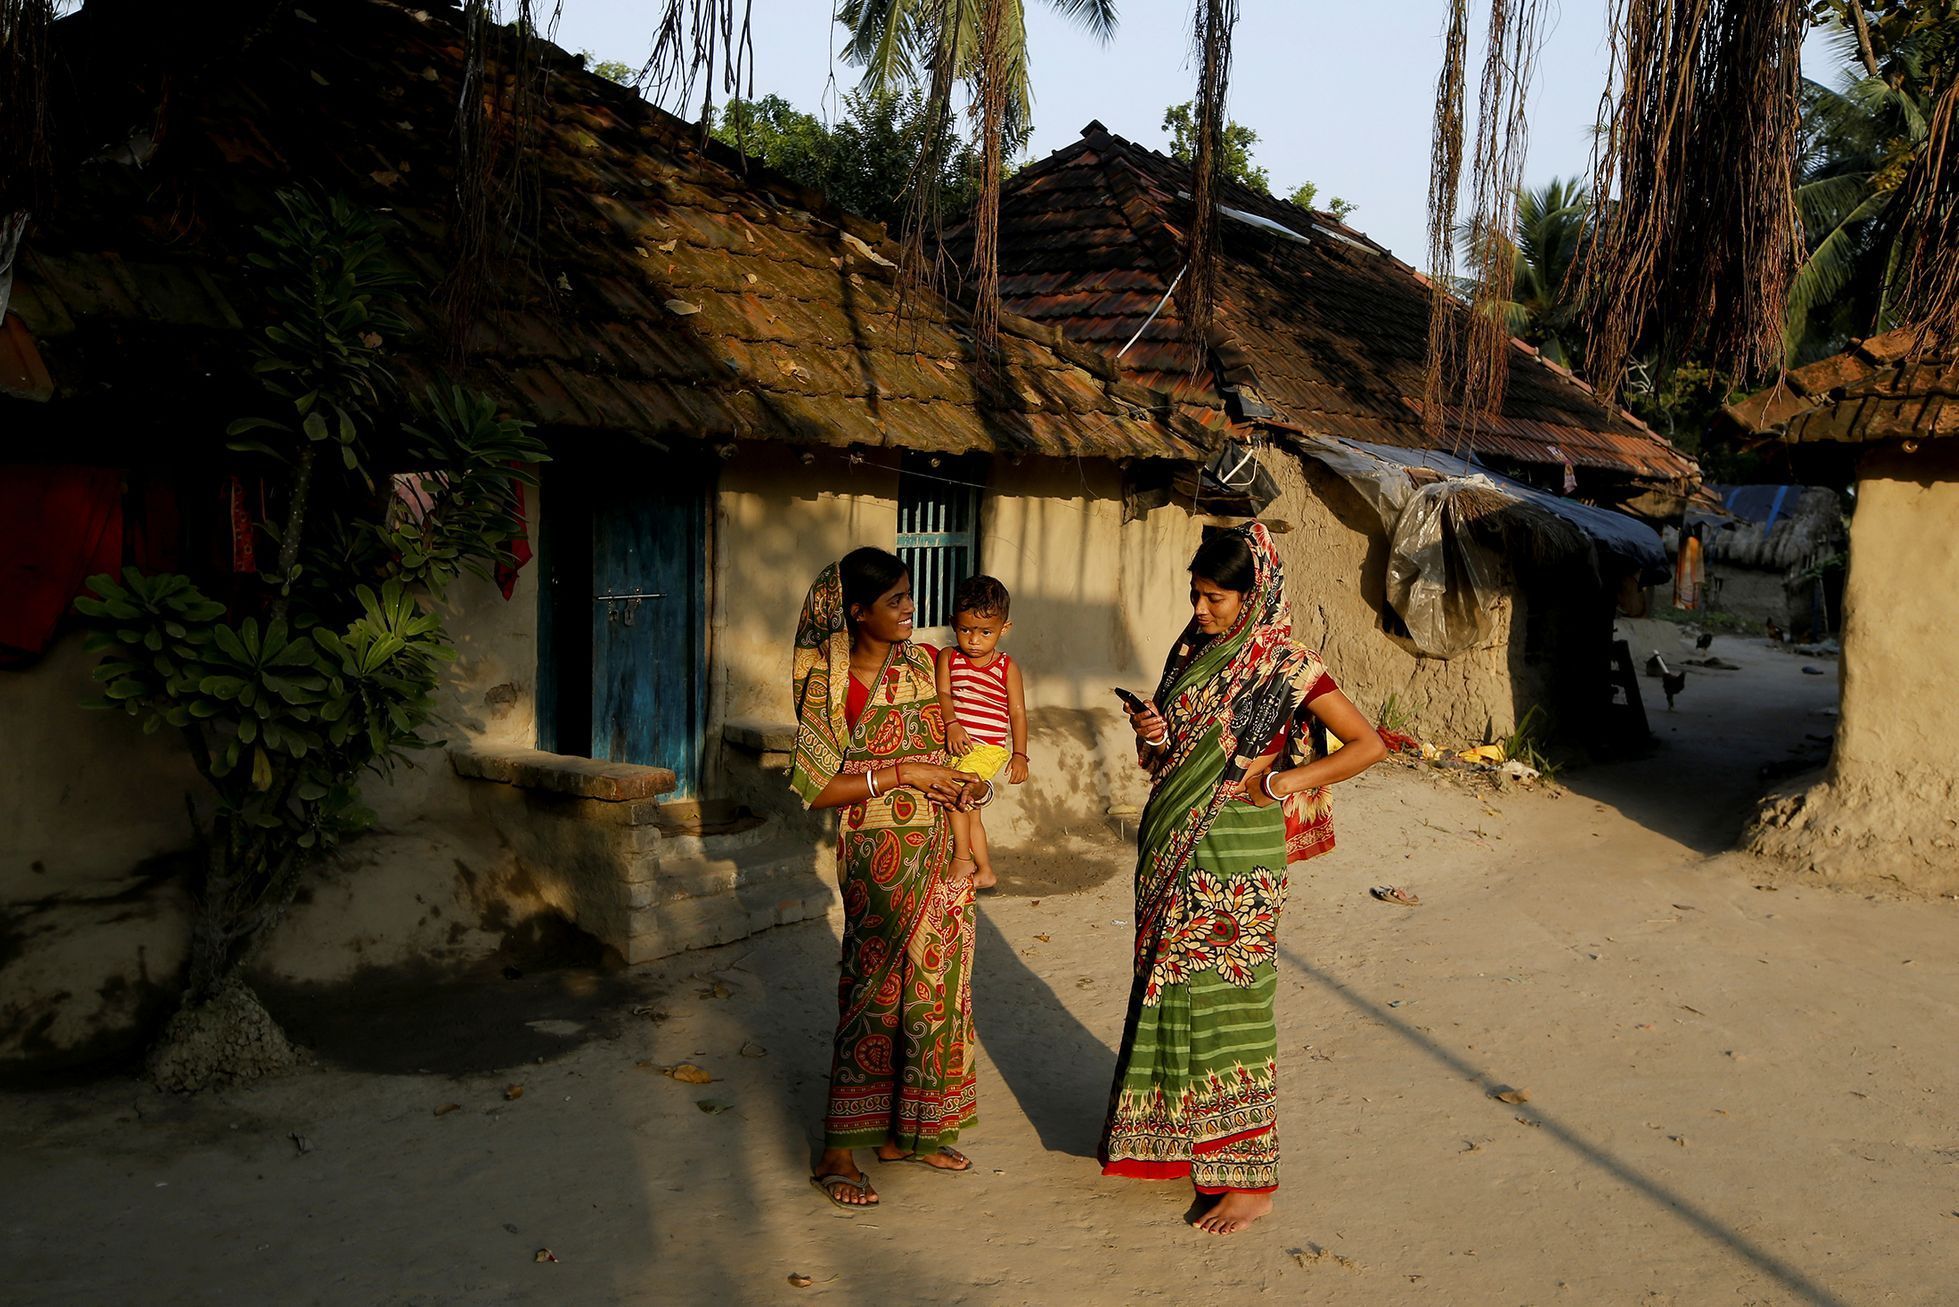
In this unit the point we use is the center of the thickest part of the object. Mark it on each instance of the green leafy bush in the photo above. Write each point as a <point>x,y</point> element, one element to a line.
<point>288,700</point>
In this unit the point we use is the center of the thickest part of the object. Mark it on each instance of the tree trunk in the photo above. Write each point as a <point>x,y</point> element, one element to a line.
<point>228,1039</point>
<point>1863,27</point>
<point>222,1035</point>
<point>302,485</point>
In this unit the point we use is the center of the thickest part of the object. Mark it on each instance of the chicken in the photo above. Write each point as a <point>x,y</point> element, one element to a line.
<point>1706,639</point>
<point>1774,631</point>
<point>1670,681</point>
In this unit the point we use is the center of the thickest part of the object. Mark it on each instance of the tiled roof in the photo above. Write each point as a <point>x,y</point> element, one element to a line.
<point>1318,329</point>
<point>1878,389</point>
<point>668,295</point>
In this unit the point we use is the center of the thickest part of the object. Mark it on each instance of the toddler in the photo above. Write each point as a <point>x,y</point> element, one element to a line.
<point>985,711</point>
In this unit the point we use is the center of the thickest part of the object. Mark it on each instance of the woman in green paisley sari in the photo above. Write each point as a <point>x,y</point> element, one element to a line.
<point>1238,793</point>
<point>870,740</point>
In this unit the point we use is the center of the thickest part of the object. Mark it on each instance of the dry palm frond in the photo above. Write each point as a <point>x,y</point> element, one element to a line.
<point>1929,295</point>
<point>26,154</point>
<point>993,91</point>
<point>1444,186</point>
<point>500,112</point>
<point>920,247</point>
<point>1211,39</point>
<point>1496,179</point>
<point>1469,353</point>
<point>1695,225</point>
<point>693,42</point>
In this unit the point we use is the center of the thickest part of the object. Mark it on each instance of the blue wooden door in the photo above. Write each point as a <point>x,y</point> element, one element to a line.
<point>648,678</point>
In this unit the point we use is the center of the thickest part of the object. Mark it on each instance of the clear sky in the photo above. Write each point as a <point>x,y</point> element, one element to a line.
<point>1340,93</point>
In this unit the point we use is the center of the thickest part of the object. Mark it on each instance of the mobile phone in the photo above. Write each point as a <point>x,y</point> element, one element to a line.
<point>1131,700</point>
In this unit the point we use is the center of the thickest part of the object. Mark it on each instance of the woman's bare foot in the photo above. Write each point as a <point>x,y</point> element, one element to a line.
<point>941,1159</point>
<point>1234,1212</point>
<point>985,879</point>
<point>857,1192</point>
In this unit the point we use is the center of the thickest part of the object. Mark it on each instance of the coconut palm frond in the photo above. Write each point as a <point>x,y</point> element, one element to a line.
<point>884,39</point>
<point>1827,202</point>
<point>1097,17</point>
<point>1834,262</point>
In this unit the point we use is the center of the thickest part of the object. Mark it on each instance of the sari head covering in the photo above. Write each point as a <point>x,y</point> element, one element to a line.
<point>1227,698</point>
<point>819,683</point>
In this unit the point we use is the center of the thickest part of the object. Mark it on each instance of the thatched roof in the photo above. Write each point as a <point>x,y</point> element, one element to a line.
<point>671,291</point>
<point>1806,522</point>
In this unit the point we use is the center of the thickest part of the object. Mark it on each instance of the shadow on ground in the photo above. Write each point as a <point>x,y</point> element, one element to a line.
<point>1057,1069</point>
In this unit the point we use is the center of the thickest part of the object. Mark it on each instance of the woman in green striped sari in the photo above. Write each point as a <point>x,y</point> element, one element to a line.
<point>1238,794</point>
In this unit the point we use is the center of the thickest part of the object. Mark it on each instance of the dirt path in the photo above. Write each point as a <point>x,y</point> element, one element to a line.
<point>1736,1095</point>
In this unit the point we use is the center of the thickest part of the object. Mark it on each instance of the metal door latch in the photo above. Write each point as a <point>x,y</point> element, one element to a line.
<point>631,599</point>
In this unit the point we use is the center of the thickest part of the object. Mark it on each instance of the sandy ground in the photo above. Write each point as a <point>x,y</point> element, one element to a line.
<point>1740,1090</point>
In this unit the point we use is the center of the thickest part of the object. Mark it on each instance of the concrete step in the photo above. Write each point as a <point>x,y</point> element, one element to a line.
<point>701,903</point>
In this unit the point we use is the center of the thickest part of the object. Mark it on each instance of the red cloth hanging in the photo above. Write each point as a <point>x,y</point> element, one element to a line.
<point>520,550</point>
<point>58,527</point>
<point>244,525</point>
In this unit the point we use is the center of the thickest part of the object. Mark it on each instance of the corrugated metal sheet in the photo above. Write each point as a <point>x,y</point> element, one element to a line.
<point>795,338</point>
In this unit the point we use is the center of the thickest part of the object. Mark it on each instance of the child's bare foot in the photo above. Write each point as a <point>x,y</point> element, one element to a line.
<point>966,869</point>
<point>984,878</point>
<point>1234,1212</point>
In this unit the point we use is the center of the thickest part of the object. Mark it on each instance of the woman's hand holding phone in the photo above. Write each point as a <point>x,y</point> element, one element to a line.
<point>1149,725</point>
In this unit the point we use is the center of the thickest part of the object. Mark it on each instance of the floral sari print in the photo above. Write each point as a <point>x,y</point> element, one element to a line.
<point>1195,1090</point>
<point>902,1064</point>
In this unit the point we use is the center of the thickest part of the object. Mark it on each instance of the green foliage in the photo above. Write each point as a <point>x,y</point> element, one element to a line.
<point>475,460</point>
<point>864,163</point>
<point>1546,244</point>
<point>1234,160</point>
<point>1527,743</point>
<point>285,706</point>
<point>332,295</point>
<point>1394,714</point>
<point>612,70</point>
<point>1306,195</point>
<point>898,43</point>
<point>1859,143</point>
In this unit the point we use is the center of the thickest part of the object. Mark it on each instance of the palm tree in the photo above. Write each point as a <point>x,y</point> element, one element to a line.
<point>900,42</point>
<point>1858,146</point>
<point>1550,229</point>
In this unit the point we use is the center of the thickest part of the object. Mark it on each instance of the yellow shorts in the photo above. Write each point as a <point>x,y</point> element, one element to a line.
<point>983,761</point>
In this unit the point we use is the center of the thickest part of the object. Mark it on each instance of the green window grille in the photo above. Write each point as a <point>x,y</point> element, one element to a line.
<point>938,530</point>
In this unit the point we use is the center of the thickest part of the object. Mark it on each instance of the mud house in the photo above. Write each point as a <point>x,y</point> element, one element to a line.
<point>1773,553</point>
<point>731,401</point>
<point>1315,362</point>
<point>714,357</point>
<point>1885,411</point>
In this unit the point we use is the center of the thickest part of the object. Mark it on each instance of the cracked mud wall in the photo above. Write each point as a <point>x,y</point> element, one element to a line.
<point>1889,810</point>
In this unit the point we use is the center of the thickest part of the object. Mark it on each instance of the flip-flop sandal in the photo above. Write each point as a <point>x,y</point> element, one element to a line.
<point>862,1184</point>
<point>919,1159</point>
<point>1396,894</point>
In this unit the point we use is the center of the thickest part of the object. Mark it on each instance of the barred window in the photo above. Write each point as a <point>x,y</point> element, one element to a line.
<point>938,530</point>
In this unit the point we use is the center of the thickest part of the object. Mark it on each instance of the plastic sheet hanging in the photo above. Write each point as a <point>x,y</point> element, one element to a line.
<point>1233,483</point>
<point>1444,582</point>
